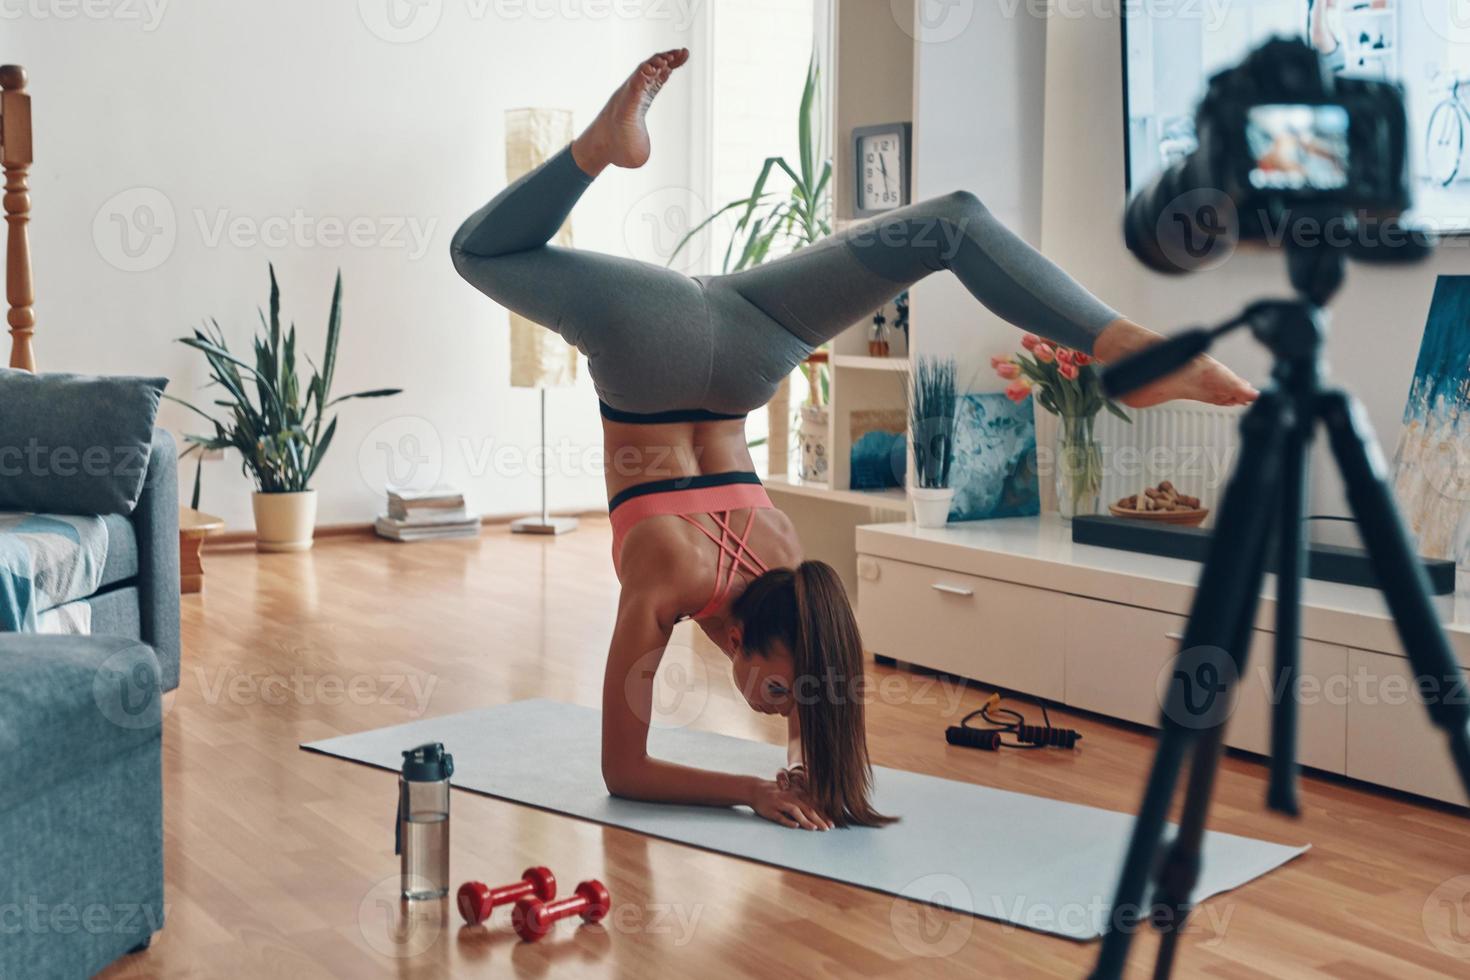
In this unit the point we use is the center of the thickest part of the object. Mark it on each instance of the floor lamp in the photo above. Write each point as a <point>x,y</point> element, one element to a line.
<point>538,357</point>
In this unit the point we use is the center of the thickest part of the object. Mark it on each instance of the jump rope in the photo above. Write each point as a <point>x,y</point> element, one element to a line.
<point>1008,721</point>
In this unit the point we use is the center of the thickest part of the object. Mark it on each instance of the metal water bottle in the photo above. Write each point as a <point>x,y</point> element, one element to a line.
<point>422,839</point>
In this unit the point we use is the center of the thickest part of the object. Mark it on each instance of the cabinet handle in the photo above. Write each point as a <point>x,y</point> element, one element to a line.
<point>952,589</point>
<point>1176,637</point>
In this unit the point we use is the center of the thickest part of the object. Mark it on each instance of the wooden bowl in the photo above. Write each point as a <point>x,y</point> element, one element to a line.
<point>1191,518</point>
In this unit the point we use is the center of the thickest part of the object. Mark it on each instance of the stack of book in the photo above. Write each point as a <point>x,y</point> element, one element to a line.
<point>424,515</point>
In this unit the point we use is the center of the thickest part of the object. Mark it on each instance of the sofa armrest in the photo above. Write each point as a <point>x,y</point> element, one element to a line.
<point>156,523</point>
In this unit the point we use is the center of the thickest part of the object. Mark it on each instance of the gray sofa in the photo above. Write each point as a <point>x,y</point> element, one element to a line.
<point>81,791</point>
<point>137,594</point>
<point>81,803</point>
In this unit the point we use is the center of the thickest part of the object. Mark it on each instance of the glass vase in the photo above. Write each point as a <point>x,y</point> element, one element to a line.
<point>1079,467</point>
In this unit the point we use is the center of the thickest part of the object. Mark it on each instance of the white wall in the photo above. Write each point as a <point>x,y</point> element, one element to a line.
<point>979,76</point>
<point>1378,317</point>
<point>329,113</point>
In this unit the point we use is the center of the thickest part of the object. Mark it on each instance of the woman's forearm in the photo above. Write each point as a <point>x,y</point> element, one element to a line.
<point>655,781</point>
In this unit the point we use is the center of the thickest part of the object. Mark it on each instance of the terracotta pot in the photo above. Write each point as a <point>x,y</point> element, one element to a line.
<point>284,521</point>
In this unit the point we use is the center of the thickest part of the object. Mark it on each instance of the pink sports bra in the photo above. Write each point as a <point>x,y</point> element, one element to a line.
<point>716,495</point>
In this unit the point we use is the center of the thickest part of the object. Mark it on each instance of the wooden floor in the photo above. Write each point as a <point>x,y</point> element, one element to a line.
<point>280,862</point>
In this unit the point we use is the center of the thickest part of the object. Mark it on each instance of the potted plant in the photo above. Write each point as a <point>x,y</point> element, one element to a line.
<point>1067,384</point>
<point>278,425</point>
<point>932,418</point>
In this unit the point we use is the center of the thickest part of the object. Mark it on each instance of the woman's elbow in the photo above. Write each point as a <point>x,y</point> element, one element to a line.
<point>620,779</point>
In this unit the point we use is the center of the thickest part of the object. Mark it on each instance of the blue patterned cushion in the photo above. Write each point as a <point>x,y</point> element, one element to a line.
<point>75,444</point>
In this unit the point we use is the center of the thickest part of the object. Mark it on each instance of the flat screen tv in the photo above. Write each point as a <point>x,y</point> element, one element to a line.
<point>1172,47</point>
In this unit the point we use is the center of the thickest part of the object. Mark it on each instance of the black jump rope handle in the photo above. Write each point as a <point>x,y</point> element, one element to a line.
<point>1026,736</point>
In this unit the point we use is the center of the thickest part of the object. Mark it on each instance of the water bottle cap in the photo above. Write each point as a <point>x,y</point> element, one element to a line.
<point>428,763</point>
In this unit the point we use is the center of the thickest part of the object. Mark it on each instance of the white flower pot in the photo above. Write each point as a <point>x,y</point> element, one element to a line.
<point>284,521</point>
<point>931,505</point>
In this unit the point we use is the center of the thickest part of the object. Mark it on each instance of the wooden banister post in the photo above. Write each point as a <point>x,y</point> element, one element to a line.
<point>15,156</point>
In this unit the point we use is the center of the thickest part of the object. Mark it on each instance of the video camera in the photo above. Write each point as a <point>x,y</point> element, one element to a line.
<point>1282,143</point>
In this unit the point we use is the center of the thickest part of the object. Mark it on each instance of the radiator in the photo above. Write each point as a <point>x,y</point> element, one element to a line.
<point>1190,444</point>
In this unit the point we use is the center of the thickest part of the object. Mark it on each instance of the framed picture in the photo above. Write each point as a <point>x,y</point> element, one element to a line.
<point>1431,477</point>
<point>880,167</point>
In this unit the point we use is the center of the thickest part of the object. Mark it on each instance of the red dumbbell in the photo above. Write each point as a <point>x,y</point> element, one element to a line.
<point>477,900</point>
<point>533,918</point>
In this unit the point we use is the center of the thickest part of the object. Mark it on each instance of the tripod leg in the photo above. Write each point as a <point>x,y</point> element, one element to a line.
<point>1290,566</point>
<point>1400,574</point>
<point>1231,577</point>
<point>1178,875</point>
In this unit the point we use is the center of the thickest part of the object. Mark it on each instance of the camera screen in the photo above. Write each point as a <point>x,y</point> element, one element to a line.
<point>1173,47</point>
<point>1300,148</point>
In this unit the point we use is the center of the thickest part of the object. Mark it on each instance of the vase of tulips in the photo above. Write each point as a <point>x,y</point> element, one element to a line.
<point>1066,383</point>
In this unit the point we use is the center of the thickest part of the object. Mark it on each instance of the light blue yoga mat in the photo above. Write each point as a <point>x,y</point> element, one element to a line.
<point>1037,863</point>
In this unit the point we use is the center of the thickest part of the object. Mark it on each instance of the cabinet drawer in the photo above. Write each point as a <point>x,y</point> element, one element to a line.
<point>1390,739</point>
<point>1114,655</point>
<point>1322,711</point>
<point>997,632</point>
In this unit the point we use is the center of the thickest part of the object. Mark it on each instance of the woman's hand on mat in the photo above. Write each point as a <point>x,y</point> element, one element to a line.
<point>787,807</point>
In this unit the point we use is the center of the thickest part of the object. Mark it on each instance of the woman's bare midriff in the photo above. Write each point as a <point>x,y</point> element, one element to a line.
<point>637,454</point>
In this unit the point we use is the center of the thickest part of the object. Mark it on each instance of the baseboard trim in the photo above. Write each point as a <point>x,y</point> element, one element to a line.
<point>234,539</point>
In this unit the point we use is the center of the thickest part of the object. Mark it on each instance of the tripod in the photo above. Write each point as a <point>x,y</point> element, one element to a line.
<point>1276,434</point>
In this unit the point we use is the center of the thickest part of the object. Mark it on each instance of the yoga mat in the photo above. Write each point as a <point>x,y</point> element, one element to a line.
<point>1037,863</point>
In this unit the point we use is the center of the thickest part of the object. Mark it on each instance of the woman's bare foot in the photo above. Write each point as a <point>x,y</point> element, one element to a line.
<point>618,136</point>
<point>1203,379</point>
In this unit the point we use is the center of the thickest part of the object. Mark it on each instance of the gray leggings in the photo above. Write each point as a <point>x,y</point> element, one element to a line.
<point>660,342</point>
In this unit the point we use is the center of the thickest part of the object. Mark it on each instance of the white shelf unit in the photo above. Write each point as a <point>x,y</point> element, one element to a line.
<point>872,76</point>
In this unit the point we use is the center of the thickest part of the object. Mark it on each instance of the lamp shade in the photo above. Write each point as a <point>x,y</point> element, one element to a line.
<point>538,357</point>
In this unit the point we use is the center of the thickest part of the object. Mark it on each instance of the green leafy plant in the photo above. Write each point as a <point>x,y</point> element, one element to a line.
<point>771,220</point>
<point>933,417</point>
<point>278,425</point>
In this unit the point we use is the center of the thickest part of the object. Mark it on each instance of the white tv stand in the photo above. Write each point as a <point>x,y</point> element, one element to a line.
<point>1016,604</point>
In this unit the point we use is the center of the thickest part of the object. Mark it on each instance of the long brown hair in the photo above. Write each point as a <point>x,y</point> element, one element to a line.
<point>808,610</point>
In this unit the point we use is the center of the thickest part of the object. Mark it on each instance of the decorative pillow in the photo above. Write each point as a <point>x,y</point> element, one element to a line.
<point>75,443</point>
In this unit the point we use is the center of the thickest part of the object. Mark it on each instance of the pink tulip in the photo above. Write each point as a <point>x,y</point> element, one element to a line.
<point>1064,355</point>
<point>1017,391</point>
<point>1068,371</point>
<point>1008,371</point>
<point>1082,359</point>
<point>997,360</point>
<point>1044,353</point>
<point>1029,341</point>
